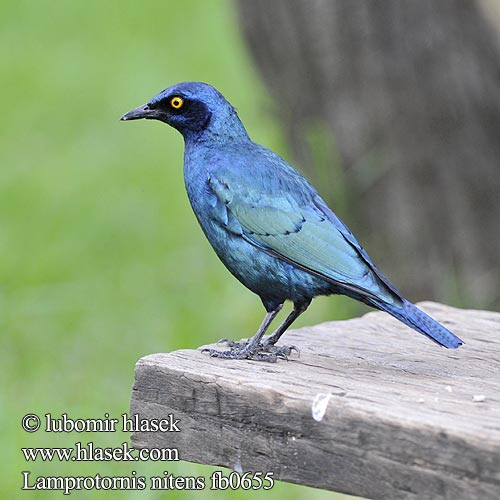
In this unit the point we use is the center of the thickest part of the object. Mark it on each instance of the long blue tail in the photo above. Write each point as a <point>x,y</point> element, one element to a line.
<point>414,317</point>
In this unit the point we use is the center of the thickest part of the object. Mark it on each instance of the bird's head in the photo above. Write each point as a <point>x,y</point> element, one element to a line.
<point>194,109</point>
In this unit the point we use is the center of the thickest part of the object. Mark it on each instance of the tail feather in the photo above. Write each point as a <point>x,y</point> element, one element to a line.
<point>415,318</point>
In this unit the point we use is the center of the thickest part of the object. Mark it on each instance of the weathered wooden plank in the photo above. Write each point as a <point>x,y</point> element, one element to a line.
<point>405,419</point>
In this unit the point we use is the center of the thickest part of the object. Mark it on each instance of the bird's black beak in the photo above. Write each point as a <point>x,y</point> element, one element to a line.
<point>143,111</point>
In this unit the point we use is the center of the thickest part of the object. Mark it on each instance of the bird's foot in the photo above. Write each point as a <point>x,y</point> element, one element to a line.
<point>282,351</point>
<point>235,353</point>
<point>237,344</point>
<point>263,352</point>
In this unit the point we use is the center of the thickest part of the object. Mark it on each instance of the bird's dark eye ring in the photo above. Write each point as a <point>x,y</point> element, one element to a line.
<point>176,102</point>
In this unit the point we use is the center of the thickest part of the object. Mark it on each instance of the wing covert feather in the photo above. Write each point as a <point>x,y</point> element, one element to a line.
<point>297,225</point>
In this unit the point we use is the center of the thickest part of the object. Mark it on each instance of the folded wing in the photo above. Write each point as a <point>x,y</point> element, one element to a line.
<point>294,224</point>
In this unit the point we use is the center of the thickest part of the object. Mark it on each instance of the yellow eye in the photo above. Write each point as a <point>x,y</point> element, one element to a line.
<point>176,102</point>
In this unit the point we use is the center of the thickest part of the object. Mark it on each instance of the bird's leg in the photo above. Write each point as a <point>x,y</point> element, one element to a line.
<point>252,348</point>
<point>269,343</point>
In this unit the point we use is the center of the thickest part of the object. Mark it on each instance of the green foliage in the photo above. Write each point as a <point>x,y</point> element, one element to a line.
<point>102,261</point>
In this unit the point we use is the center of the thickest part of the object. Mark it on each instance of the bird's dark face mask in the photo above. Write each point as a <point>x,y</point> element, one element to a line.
<point>185,114</point>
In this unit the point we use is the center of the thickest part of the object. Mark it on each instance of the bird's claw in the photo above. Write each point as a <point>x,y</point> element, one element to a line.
<point>239,344</point>
<point>263,352</point>
<point>256,355</point>
<point>282,351</point>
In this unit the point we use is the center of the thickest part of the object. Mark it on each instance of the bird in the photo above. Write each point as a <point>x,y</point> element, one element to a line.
<point>268,224</point>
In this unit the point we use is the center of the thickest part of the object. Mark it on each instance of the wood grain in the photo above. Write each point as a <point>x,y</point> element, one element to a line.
<point>405,419</point>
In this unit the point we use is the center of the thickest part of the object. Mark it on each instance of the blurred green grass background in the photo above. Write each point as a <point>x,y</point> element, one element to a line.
<point>102,261</point>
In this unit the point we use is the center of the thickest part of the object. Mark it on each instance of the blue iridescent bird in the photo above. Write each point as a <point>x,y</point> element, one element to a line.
<point>268,225</point>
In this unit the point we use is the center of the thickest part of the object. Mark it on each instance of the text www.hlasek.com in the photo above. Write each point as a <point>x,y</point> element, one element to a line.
<point>91,453</point>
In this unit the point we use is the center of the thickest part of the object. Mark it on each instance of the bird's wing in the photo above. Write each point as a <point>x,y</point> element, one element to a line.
<point>295,225</point>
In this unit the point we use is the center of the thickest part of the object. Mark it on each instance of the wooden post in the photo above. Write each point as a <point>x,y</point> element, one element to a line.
<point>370,408</point>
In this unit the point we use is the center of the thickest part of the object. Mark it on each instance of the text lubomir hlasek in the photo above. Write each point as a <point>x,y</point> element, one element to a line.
<point>133,423</point>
